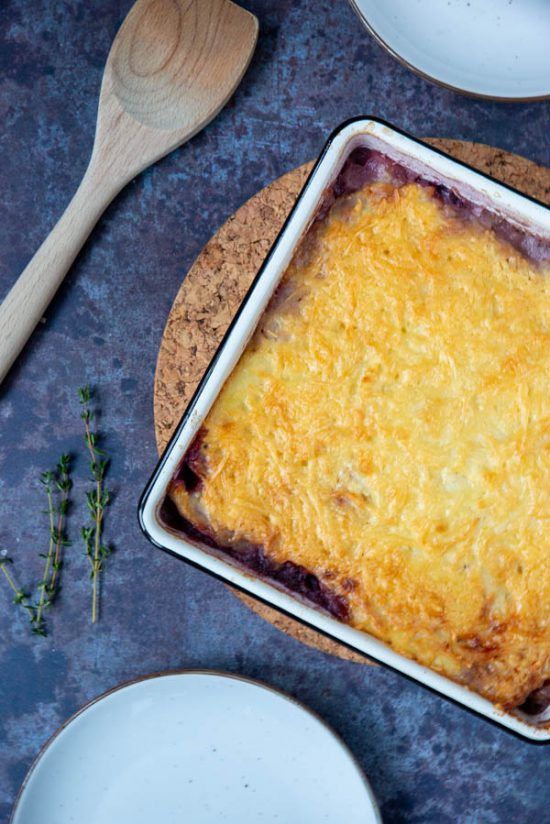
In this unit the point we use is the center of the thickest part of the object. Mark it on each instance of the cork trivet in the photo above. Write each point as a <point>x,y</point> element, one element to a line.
<point>219,279</point>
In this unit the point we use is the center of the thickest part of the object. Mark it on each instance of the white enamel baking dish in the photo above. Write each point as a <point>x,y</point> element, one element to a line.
<point>376,134</point>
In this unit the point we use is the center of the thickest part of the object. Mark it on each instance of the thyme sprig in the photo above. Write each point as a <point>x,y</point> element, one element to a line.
<point>64,485</point>
<point>47,479</point>
<point>57,486</point>
<point>97,499</point>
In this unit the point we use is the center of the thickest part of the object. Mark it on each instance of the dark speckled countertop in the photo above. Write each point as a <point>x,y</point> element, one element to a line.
<point>428,760</point>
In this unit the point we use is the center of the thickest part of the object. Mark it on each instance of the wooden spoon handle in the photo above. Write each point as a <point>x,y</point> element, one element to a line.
<point>29,297</point>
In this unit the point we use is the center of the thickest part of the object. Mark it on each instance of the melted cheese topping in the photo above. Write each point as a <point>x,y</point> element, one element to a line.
<point>389,429</point>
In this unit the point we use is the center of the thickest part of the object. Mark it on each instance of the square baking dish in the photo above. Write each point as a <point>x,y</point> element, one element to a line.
<point>431,165</point>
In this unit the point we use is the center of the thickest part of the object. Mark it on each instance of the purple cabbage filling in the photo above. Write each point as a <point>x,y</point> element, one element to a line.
<point>366,166</point>
<point>538,702</point>
<point>289,575</point>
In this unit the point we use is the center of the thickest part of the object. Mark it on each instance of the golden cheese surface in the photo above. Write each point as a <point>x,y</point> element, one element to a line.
<point>388,428</point>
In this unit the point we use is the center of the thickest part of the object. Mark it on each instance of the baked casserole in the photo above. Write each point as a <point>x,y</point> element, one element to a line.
<point>382,448</point>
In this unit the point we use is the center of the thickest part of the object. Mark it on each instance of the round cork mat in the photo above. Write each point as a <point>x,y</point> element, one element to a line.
<point>218,280</point>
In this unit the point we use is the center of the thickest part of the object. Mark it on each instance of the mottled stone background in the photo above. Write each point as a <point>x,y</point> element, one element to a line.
<point>428,761</point>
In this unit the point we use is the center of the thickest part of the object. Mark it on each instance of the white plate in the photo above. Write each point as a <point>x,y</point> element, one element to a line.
<point>490,48</point>
<point>195,748</point>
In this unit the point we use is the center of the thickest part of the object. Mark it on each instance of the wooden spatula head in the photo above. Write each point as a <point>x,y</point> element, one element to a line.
<point>175,63</point>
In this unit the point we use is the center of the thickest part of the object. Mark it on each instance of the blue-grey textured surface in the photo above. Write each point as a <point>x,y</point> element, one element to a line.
<point>428,761</point>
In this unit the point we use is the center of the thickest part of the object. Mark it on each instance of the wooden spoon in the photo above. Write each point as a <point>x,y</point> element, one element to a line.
<point>172,66</point>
